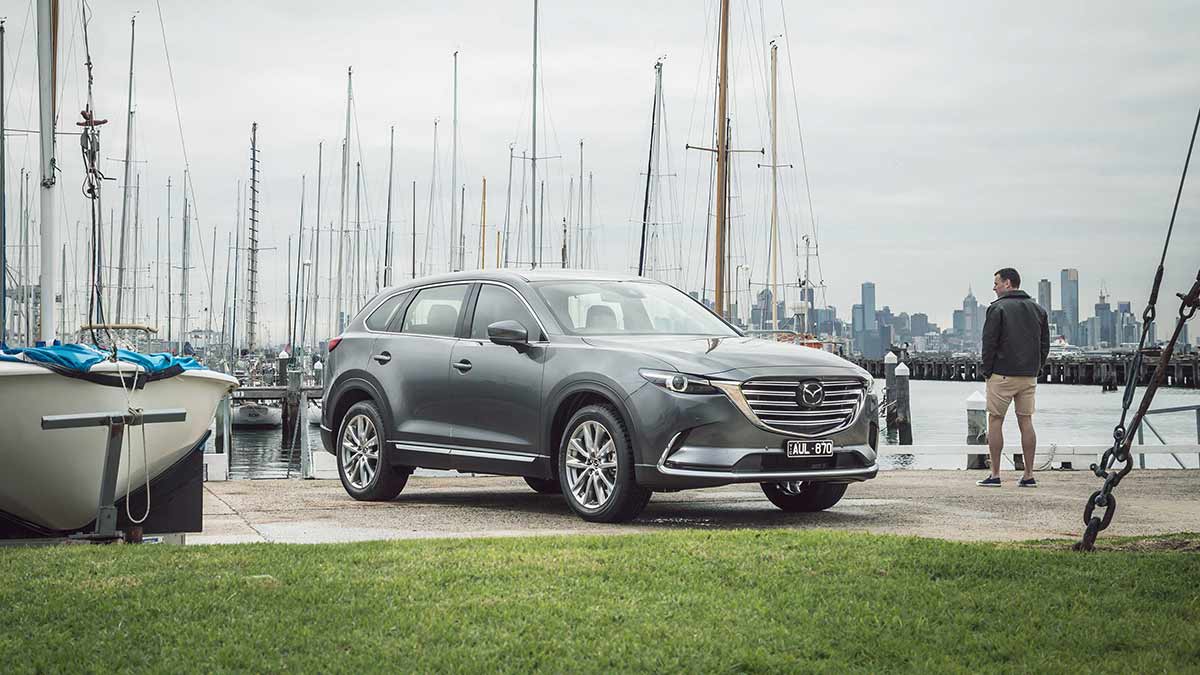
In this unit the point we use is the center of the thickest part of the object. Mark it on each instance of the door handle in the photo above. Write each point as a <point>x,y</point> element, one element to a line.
<point>462,366</point>
<point>382,357</point>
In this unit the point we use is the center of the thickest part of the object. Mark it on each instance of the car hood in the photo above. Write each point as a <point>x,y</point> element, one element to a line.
<point>733,357</point>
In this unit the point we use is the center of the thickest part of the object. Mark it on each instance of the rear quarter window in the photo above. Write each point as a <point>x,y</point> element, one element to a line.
<point>378,320</point>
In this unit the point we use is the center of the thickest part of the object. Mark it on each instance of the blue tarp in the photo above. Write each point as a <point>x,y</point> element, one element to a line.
<point>81,358</point>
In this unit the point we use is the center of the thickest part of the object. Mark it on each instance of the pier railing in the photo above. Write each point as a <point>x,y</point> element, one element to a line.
<point>1183,371</point>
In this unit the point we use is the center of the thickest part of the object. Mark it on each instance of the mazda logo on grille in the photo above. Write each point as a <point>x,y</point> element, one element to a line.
<point>811,394</point>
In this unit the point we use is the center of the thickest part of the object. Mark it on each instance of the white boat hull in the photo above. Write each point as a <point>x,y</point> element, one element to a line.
<point>314,414</point>
<point>52,478</point>
<point>256,416</point>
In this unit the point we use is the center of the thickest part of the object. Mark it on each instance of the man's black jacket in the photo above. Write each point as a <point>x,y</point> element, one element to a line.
<point>1016,336</point>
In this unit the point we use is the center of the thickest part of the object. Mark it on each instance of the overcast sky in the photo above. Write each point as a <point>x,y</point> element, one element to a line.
<point>943,140</point>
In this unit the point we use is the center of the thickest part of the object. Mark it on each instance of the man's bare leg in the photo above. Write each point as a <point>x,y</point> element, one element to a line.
<point>995,441</point>
<point>1028,442</point>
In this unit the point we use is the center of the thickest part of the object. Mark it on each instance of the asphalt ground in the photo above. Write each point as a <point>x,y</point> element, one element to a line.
<point>941,504</point>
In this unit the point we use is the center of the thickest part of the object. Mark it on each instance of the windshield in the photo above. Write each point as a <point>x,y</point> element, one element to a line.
<point>628,308</point>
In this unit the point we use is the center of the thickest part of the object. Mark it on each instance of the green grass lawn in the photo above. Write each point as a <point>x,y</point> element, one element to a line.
<point>686,601</point>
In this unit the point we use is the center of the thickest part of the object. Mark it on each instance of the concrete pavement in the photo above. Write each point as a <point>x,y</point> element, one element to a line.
<point>943,504</point>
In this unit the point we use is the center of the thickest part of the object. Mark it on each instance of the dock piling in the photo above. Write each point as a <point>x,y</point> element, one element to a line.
<point>292,413</point>
<point>903,410</point>
<point>976,428</point>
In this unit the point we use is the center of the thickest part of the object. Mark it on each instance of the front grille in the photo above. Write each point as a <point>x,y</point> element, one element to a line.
<point>774,402</point>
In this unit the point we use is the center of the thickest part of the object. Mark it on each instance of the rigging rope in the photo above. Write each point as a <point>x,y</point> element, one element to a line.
<point>89,146</point>
<point>1123,436</point>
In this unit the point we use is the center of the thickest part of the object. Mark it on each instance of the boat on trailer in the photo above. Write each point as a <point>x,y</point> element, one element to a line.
<point>52,478</point>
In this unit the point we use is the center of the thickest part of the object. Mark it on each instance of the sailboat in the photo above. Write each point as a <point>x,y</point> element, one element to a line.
<point>51,479</point>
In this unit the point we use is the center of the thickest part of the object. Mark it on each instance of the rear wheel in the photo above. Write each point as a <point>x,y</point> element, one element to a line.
<point>544,486</point>
<point>804,496</point>
<point>362,456</point>
<point>595,467</point>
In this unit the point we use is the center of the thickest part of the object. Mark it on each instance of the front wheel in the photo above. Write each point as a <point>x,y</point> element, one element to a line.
<point>595,467</point>
<point>804,496</point>
<point>362,456</point>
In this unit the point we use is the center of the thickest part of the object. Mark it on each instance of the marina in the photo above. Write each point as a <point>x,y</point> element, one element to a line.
<point>523,336</point>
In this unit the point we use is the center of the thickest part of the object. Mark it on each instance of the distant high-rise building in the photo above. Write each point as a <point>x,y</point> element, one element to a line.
<point>857,327</point>
<point>868,304</point>
<point>919,323</point>
<point>1044,295</point>
<point>1106,323</point>
<point>1125,306</point>
<point>1069,287</point>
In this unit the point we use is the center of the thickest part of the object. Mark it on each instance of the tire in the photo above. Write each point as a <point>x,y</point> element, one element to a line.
<point>804,497</point>
<point>590,474</point>
<point>544,486</point>
<point>371,479</point>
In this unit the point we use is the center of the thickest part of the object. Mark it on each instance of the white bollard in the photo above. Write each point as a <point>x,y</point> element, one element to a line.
<point>976,428</point>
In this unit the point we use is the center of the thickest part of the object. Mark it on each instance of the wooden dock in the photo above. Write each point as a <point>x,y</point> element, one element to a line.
<point>1183,372</point>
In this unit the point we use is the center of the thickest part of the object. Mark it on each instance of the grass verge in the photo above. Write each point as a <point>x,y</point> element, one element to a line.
<point>684,601</point>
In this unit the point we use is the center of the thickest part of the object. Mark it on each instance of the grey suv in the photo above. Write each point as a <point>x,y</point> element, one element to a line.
<point>605,388</point>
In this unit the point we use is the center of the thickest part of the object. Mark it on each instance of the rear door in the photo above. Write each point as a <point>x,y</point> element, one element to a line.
<point>498,388</point>
<point>411,360</point>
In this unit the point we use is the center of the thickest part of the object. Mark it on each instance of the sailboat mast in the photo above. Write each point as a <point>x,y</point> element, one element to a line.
<point>650,167</point>
<point>508,203</point>
<point>120,315</point>
<point>722,159</point>
<point>4,207</point>
<point>185,269</point>
<point>344,186</point>
<point>47,42</point>
<point>252,271</point>
<point>414,229</point>
<point>387,228</point>
<point>533,243</point>
<point>299,289</point>
<point>316,271</point>
<point>455,262</point>
<point>579,225</point>
<point>170,299</point>
<point>483,226</point>
<point>774,190</point>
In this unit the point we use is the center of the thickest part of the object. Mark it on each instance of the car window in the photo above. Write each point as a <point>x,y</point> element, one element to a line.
<point>435,311</point>
<point>497,303</point>
<point>378,320</point>
<point>627,308</point>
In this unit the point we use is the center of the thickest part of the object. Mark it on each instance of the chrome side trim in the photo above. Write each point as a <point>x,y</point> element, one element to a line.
<point>757,477</point>
<point>481,454</point>
<point>325,428</point>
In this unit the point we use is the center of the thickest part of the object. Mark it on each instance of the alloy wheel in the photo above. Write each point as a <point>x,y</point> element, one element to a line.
<point>591,464</point>
<point>360,451</point>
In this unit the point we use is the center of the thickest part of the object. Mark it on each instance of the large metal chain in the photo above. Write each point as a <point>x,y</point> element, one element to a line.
<point>1116,462</point>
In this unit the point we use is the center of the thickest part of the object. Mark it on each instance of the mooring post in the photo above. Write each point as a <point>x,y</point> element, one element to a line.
<point>903,410</point>
<point>976,428</point>
<point>291,408</point>
<point>889,392</point>
<point>224,441</point>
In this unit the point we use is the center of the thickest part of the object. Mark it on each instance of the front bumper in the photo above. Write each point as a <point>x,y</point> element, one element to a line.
<point>687,441</point>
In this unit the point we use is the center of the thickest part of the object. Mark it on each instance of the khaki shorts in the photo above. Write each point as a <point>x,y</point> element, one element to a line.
<point>1004,389</point>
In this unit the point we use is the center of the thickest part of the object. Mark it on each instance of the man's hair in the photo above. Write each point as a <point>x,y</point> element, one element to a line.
<point>1010,275</point>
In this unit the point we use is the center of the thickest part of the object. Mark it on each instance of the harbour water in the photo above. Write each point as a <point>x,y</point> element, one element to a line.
<point>1066,414</point>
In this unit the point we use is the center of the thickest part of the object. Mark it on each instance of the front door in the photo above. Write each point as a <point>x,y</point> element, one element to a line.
<point>412,362</point>
<point>498,388</point>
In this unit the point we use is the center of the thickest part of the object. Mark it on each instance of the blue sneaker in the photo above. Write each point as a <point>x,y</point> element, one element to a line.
<point>990,481</point>
<point>1027,482</point>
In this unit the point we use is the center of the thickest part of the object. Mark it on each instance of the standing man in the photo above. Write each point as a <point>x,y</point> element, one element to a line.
<point>1016,340</point>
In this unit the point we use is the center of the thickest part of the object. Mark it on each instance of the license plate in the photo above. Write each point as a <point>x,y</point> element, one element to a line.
<point>810,448</point>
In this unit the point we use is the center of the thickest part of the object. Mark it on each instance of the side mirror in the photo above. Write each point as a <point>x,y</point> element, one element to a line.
<point>508,333</point>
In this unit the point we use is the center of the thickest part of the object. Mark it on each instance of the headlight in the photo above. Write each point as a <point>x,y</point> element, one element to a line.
<point>678,382</point>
